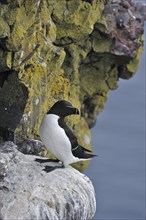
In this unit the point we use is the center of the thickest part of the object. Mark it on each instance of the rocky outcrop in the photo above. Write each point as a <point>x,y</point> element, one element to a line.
<point>28,192</point>
<point>73,50</point>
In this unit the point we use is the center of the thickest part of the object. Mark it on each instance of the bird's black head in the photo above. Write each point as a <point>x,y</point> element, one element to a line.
<point>63,108</point>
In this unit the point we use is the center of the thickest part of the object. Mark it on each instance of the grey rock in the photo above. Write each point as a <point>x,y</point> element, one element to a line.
<point>28,192</point>
<point>125,20</point>
<point>31,146</point>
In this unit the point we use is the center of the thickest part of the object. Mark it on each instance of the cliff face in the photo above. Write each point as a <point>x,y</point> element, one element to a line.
<point>73,50</point>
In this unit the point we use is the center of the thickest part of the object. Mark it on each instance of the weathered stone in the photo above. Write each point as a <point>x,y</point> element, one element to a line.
<point>31,146</point>
<point>125,25</point>
<point>28,192</point>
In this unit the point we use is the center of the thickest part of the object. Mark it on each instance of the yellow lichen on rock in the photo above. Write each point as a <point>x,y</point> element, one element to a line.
<point>133,65</point>
<point>4,28</point>
<point>32,77</point>
<point>60,86</point>
<point>5,60</point>
<point>75,21</point>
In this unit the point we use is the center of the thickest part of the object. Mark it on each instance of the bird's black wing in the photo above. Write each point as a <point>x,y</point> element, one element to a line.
<point>82,152</point>
<point>77,150</point>
<point>69,133</point>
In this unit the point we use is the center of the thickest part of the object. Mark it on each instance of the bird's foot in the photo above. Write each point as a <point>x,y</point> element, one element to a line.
<point>46,160</point>
<point>48,169</point>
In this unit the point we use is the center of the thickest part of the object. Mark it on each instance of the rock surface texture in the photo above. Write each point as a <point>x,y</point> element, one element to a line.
<point>73,50</point>
<point>28,192</point>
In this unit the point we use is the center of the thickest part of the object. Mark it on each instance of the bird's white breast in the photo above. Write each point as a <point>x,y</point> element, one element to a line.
<point>55,139</point>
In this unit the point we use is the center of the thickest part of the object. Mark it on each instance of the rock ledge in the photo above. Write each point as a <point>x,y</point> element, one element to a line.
<point>28,192</point>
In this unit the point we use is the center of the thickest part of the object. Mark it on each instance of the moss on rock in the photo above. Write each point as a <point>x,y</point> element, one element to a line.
<point>4,28</point>
<point>133,65</point>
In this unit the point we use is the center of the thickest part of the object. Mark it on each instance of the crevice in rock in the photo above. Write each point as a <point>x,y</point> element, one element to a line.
<point>13,99</point>
<point>3,77</point>
<point>4,1</point>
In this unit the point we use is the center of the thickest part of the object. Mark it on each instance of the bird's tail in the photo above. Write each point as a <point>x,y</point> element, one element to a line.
<point>87,154</point>
<point>86,149</point>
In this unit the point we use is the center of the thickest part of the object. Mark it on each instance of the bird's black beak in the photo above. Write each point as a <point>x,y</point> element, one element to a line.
<point>73,110</point>
<point>77,111</point>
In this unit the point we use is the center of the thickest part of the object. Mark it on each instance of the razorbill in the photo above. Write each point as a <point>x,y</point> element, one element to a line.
<point>59,138</point>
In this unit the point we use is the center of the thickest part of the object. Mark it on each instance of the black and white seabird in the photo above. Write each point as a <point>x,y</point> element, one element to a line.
<point>59,138</point>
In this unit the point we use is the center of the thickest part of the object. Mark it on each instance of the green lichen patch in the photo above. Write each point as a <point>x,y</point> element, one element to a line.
<point>5,60</point>
<point>49,27</point>
<point>33,77</point>
<point>133,65</point>
<point>101,45</point>
<point>4,28</point>
<point>75,21</point>
<point>96,79</point>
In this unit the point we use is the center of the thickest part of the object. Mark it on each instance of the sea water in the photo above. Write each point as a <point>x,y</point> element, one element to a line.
<point>118,173</point>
